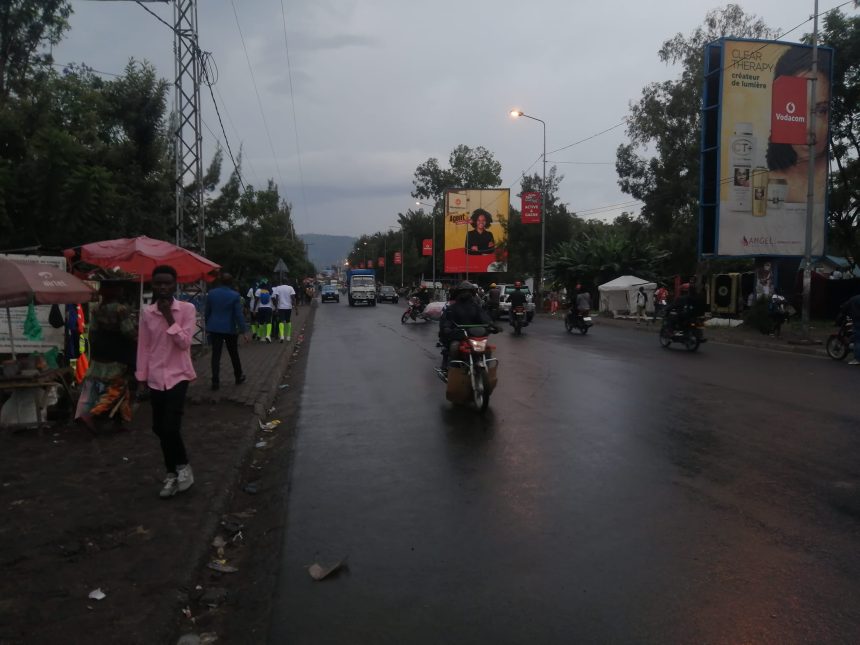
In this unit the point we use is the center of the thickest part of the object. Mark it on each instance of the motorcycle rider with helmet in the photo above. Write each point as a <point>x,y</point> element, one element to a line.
<point>685,308</point>
<point>465,310</point>
<point>516,299</point>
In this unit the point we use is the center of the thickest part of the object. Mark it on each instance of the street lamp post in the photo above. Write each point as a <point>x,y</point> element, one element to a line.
<point>401,251</point>
<point>433,249</point>
<point>517,114</point>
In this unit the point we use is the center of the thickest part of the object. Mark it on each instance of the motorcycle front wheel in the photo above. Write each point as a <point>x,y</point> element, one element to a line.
<point>665,338</point>
<point>404,317</point>
<point>836,348</point>
<point>568,325</point>
<point>481,391</point>
<point>583,329</point>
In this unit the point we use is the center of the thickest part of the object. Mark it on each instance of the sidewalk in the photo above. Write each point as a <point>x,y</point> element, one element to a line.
<point>82,512</point>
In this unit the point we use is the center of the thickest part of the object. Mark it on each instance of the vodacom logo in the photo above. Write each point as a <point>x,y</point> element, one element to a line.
<point>790,107</point>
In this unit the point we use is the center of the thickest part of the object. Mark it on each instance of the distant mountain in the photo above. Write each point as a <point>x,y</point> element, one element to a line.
<point>326,250</point>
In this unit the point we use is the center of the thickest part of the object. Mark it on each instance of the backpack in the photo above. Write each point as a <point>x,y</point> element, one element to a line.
<point>265,297</point>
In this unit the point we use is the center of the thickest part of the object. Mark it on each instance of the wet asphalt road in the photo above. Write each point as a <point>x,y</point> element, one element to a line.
<point>615,492</point>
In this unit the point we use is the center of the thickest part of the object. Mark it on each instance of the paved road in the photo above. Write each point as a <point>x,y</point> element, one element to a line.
<point>615,492</point>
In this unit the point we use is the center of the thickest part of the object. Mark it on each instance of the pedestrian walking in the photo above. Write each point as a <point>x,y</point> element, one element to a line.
<point>251,302</point>
<point>641,303</point>
<point>164,364</point>
<point>224,323</point>
<point>851,307</point>
<point>553,302</point>
<point>285,297</point>
<point>264,311</point>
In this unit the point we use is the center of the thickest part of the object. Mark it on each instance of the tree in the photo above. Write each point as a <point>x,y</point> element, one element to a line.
<point>469,168</point>
<point>843,34</point>
<point>666,120</point>
<point>602,253</point>
<point>27,29</point>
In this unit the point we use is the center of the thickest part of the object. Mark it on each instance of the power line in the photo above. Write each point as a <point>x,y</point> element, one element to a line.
<point>295,122</point>
<point>257,92</point>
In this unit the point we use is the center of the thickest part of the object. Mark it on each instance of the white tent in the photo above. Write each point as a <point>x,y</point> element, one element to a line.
<point>619,295</point>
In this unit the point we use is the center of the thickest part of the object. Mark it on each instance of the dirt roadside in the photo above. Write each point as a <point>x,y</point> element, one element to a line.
<point>82,513</point>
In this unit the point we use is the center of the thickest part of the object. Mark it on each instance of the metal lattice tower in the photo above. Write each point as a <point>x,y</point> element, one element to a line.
<point>187,135</point>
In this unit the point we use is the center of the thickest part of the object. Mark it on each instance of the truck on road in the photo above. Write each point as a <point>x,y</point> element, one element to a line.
<point>361,287</point>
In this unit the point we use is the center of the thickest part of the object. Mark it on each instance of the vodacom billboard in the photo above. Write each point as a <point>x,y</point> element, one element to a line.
<point>755,147</point>
<point>476,230</point>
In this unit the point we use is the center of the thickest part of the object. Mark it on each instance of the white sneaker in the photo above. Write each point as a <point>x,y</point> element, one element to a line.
<point>185,478</point>
<point>268,339</point>
<point>854,362</point>
<point>171,487</point>
<point>289,338</point>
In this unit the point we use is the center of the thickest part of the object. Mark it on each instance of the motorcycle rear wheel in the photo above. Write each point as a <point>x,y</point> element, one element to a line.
<point>836,348</point>
<point>481,391</point>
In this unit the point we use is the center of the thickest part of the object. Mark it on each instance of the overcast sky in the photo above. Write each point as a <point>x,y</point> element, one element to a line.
<point>380,86</point>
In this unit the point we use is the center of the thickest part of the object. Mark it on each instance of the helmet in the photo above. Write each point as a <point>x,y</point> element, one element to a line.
<point>685,288</point>
<point>518,284</point>
<point>465,285</point>
<point>492,285</point>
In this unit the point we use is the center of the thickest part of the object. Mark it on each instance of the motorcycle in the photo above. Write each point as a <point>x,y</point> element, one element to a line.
<point>414,311</point>
<point>518,319</point>
<point>574,320</point>
<point>839,344</point>
<point>689,332</point>
<point>472,377</point>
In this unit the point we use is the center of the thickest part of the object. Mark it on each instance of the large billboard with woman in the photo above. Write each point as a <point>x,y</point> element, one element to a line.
<point>476,230</point>
<point>762,149</point>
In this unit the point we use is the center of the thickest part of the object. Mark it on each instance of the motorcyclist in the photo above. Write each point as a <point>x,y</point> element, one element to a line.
<point>423,295</point>
<point>516,299</point>
<point>685,308</point>
<point>465,310</point>
<point>583,303</point>
<point>851,308</point>
<point>494,296</point>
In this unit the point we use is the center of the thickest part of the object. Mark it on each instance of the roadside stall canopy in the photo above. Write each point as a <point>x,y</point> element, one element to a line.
<point>40,283</point>
<point>620,294</point>
<point>140,255</point>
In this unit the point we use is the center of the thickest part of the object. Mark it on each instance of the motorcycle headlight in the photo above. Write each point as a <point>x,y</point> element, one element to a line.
<point>478,345</point>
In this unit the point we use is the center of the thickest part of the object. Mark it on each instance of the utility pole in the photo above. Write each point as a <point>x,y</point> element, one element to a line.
<point>810,195</point>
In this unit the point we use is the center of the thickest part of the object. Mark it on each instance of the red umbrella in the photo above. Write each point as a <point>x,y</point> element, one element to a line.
<point>44,284</point>
<point>140,255</point>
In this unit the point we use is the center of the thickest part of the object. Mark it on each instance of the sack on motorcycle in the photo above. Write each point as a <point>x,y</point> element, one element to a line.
<point>459,386</point>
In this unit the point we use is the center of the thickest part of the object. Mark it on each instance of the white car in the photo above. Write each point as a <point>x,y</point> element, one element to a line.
<point>505,305</point>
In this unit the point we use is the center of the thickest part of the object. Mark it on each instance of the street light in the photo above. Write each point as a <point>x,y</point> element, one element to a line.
<point>433,215</point>
<point>401,251</point>
<point>516,114</point>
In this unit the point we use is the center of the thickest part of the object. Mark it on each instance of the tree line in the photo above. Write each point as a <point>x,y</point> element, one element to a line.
<point>85,158</point>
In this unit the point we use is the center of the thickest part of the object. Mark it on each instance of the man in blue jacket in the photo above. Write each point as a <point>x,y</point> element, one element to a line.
<point>224,323</point>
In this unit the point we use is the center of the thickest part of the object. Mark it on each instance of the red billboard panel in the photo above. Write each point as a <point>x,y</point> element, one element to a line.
<point>397,258</point>
<point>380,262</point>
<point>531,207</point>
<point>370,264</point>
<point>427,247</point>
<point>789,110</point>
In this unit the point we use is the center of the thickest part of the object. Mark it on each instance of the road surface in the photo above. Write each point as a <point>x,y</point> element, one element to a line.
<point>614,492</point>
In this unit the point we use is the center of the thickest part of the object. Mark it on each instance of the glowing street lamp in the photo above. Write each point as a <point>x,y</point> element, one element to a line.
<point>516,114</point>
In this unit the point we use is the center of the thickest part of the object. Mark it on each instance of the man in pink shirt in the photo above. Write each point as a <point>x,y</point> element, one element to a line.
<point>164,364</point>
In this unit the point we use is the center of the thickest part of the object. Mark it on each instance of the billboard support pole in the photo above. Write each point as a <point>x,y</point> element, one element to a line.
<point>810,195</point>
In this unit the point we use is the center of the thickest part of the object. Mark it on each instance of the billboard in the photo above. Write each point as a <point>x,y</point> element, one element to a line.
<point>397,258</point>
<point>756,99</point>
<point>531,205</point>
<point>427,247</point>
<point>476,230</point>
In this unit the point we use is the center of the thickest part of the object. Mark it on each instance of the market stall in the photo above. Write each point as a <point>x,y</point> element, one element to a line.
<point>30,378</point>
